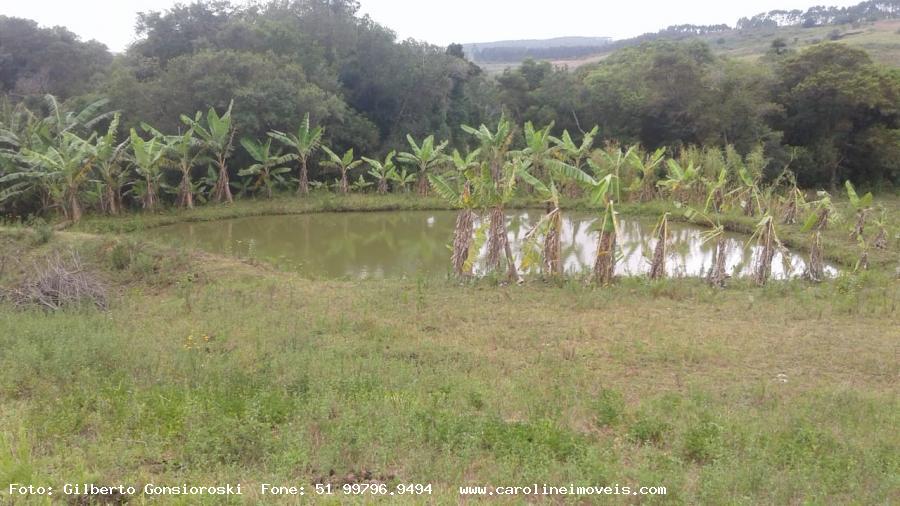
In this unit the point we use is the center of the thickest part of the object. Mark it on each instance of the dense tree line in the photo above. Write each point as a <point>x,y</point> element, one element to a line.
<point>828,113</point>
<point>863,12</point>
<point>35,61</point>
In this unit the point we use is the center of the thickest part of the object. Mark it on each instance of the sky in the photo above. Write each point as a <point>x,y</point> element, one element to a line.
<point>440,21</point>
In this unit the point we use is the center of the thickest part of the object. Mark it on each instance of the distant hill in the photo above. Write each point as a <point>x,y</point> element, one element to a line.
<point>873,25</point>
<point>515,51</point>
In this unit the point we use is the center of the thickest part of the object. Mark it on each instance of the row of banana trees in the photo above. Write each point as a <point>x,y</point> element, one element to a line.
<point>706,183</point>
<point>65,161</point>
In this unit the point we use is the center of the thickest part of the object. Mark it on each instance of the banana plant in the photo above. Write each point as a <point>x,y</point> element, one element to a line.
<point>360,185</point>
<point>494,194</point>
<point>715,232</point>
<point>538,148</point>
<point>269,167</point>
<point>62,169</point>
<point>572,152</point>
<point>81,122</point>
<point>862,206</point>
<point>793,202</point>
<point>768,243</point>
<point>645,168</point>
<point>680,180</point>
<point>402,179</point>
<point>149,158</point>
<point>305,143</point>
<point>459,191</point>
<point>381,171</point>
<point>424,158</point>
<point>575,154</point>
<point>549,227</point>
<point>749,174</point>
<point>218,136</point>
<point>110,156</point>
<point>615,160</point>
<point>344,164</point>
<point>493,145</point>
<point>183,152</point>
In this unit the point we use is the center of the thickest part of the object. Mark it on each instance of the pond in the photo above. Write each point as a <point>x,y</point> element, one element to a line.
<point>413,243</point>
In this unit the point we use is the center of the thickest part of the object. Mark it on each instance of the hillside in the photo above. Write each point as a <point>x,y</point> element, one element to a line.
<point>881,39</point>
<point>514,51</point>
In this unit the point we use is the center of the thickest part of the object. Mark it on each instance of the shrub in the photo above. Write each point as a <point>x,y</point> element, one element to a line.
<point>647,429</point>
<point>609,407</point>
<point>703,442</point>
<point>43,232</point>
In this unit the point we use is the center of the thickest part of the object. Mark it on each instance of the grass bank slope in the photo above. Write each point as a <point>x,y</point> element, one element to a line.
<point>209,370</point>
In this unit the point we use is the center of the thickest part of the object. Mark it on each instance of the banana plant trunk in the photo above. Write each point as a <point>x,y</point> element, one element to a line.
<point>74,207</point>
<point>422,185</point>
<point>605,262</point>
<point>222,190</point>
<point>185,191</point>
<point>553,244</point>
<point>815,269</point>
<point>717,274</point>
<point>111,200</point>
<point>150,197</point>
<point>345,184</point>
<point>462,242</point>
<point>658,263</point>
<point>859,227</point>
<point>498,244</point>
<point>303,188</point>
<point>767,244</point>
<point>383,188</point>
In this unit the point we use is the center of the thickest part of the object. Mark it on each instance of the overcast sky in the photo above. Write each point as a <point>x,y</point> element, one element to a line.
<point>441,21</point>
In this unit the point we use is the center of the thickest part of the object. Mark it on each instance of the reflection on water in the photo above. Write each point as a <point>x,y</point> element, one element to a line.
<point>394,244</point>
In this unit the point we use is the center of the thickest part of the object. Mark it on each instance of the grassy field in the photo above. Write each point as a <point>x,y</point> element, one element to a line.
<point>210,370</point>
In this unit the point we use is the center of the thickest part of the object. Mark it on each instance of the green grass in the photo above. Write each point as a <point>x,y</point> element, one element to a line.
<point>774,395</point>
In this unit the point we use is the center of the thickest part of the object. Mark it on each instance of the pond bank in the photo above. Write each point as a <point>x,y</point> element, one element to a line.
<point>838,249</point>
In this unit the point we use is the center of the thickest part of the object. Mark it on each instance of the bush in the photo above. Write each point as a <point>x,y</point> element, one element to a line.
<point>703,442</point>
<point>609,407</point>
<point>43,232</point>
<point>647,429</point>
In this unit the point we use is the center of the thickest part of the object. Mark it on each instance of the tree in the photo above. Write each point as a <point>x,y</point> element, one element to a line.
<point>494,145</point>
<point>306,141</point>
<point>266,169</point>
<point>149,157</point>
<point>62,169</point>
<point>424,158</point>
<point>344,164</point>
<point>109,157</point>
<point>218,137</point>
<point>35,61</point>
<point>462,196</point>
<point>382,172</point>
<point>835,100</point>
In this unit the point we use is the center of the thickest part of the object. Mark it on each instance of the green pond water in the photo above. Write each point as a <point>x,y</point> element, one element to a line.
<point>414,243</point>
